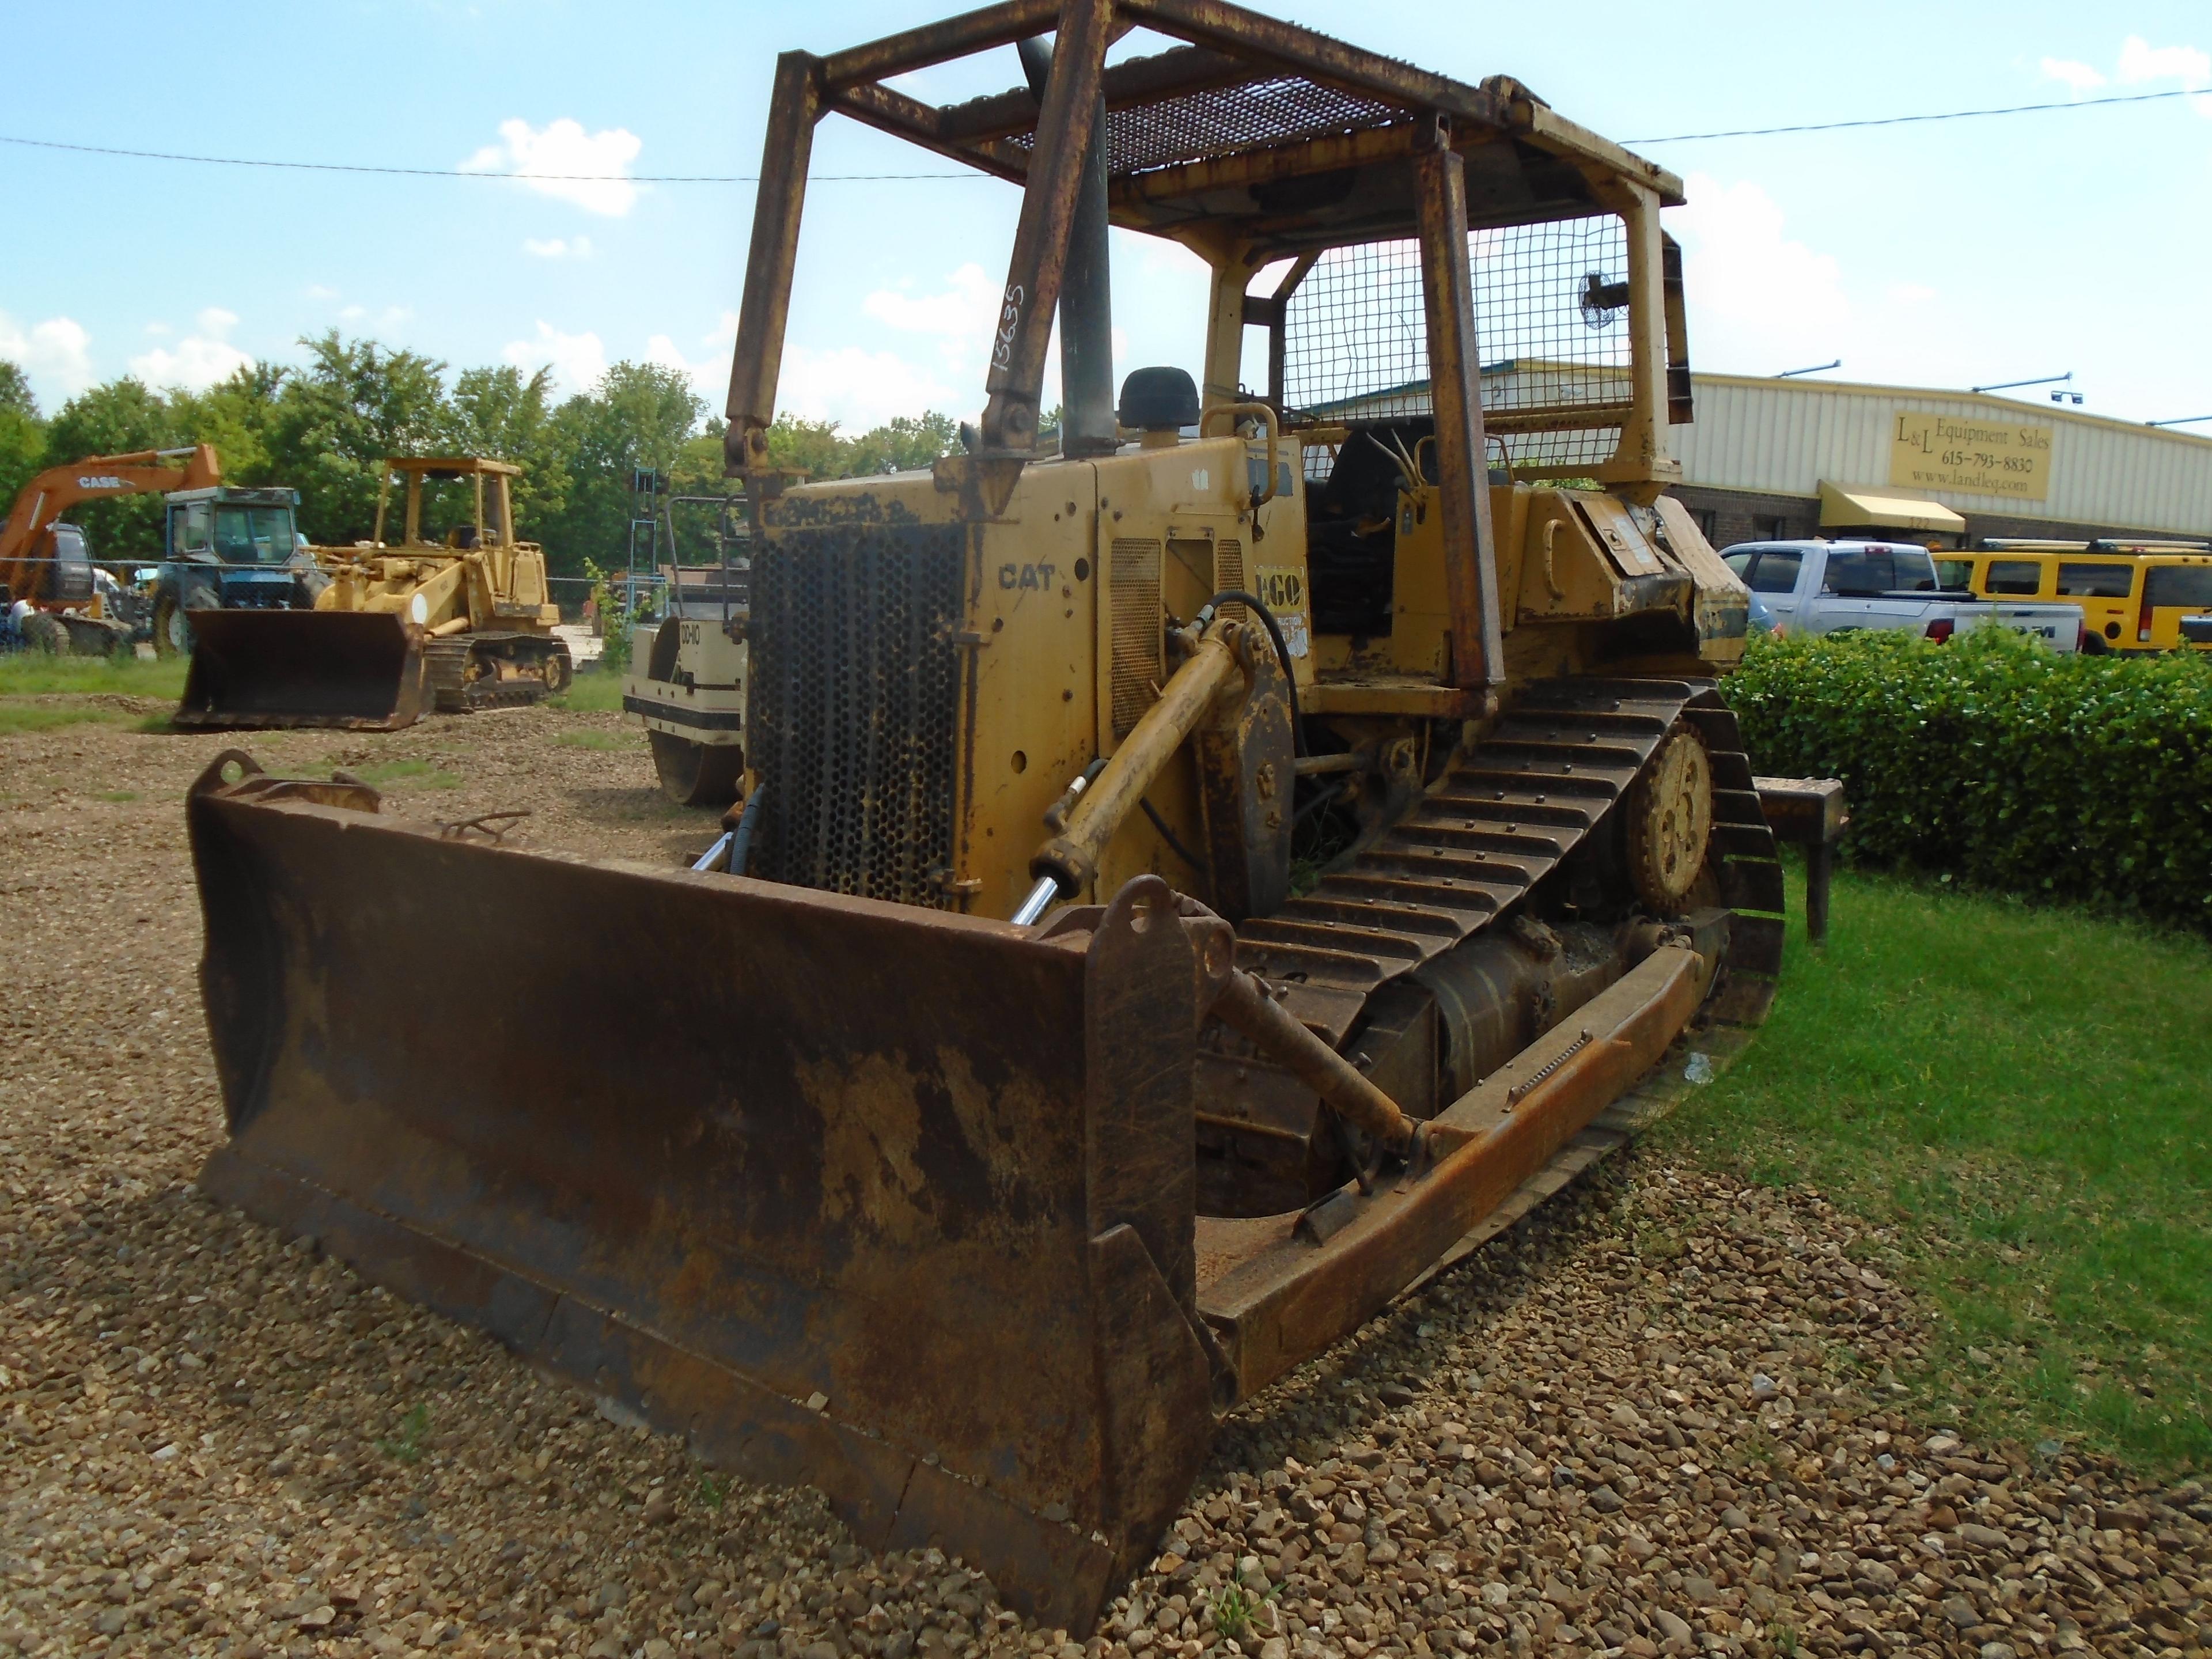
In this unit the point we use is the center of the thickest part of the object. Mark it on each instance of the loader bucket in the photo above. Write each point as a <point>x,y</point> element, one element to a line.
<point>896,1203</point>
<point>357,668</point>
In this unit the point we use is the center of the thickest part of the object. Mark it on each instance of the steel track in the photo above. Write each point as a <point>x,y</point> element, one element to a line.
<point>446,664</point>
<point>1501,820</point>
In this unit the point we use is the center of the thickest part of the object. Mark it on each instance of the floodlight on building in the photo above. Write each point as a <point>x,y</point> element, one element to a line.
<point>2040,379</point>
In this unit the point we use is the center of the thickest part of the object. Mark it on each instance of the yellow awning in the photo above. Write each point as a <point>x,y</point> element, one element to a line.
<point>1848,508</point>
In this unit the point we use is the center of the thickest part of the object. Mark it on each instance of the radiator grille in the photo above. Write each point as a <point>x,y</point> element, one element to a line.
<point>1138,646</point>
<point>1228,573</point>
<point>855,707</point>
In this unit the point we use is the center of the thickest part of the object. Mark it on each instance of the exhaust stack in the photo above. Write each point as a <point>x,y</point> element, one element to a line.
<point>1086,295</point>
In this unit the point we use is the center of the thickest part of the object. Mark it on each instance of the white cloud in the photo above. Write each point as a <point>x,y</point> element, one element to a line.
<point>320,291</point>
<point>52,354</point>
<point>862,388</point>
<point>558,247</point>
<point>708,378</point>
<point>577,360</point>
<point>200,360</point>
<point>965,311</point>
<point>2078,77</point>
<point>709,373</point>
<point>561,160</point>
<point>1768,301</point>
<point>1762,301</point>
<point>2141,62</point>
<point>859,389</point>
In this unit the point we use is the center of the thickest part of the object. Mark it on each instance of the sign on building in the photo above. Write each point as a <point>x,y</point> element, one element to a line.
<point>1970,455</point>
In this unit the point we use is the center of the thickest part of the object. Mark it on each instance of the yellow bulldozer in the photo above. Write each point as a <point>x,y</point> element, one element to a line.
<point>1192,874</point>
<point>460,620</point>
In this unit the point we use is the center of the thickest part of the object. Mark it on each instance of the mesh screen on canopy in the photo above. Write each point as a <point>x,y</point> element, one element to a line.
<point>1551,329</point>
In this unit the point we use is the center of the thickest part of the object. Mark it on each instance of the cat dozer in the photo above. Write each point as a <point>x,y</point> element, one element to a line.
<point>460,621</point>
<point>1193,875</point>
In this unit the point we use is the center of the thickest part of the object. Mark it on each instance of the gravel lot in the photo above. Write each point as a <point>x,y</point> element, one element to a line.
<point>1659,1418</point>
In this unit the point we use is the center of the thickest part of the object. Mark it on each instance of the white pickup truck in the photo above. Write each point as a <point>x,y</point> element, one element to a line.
<point>1831,588</point>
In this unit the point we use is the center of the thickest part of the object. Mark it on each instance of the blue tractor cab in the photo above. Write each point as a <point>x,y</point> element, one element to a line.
<point>230,549</point>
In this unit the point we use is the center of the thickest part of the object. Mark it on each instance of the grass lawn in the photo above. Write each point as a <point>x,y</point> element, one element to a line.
<point>598,692</point>
<point>25,675</point>
<point>33,673</point>
<point>2027,1094</point>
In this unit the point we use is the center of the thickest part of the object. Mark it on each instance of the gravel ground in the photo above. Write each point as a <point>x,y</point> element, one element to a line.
<point>1658,1418</point>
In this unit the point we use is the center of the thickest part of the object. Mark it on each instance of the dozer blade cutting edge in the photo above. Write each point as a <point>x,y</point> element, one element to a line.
<point>360,669</point>
<point>899,1203</point>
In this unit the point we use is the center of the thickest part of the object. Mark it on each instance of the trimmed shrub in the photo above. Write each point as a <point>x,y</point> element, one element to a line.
<point>1996,760</point>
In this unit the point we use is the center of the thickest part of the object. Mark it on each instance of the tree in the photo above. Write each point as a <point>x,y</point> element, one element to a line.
<point>811,447</point>
<point>237,416</point>
<point>639,416</point>
<point>354,405</point>
<point>904,444</point>
<point>326,428</point>
<point>22,434</point>
<point>699,465</point>
<point>907,444</point>
<point>498,413</point>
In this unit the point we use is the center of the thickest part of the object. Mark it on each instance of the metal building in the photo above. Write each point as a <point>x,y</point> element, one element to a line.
<point>1770,460</point>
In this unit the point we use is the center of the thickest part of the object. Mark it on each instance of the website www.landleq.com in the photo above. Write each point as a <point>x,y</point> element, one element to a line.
<point>1931,452</point>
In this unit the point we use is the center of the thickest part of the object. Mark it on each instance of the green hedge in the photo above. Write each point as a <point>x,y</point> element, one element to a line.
<point>1996,760</point>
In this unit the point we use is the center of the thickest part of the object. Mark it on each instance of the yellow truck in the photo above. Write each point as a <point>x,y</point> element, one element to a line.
<point>2135,596</point>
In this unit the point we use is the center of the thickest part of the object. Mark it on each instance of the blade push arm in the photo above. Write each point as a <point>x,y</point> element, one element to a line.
<point>1069,860</point>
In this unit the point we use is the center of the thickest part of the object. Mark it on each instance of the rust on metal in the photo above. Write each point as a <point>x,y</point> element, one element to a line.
<point>1014,382</point>
<point>1289,1298</point>
<point>793,107</point>
<point>1462,467</point>
<point>951,1202</point>
<point>1245,1005</point>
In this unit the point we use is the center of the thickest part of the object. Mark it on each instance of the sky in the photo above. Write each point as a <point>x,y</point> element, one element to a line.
<point>1952,254</point>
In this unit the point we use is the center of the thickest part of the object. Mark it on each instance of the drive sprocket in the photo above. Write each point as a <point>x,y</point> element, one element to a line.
<point>1670,821</point>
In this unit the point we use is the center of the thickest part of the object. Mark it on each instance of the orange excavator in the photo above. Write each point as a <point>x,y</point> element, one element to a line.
<point>45,565</point>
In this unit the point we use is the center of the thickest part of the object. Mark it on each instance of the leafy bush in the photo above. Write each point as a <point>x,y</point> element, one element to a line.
<point>1996,760</point>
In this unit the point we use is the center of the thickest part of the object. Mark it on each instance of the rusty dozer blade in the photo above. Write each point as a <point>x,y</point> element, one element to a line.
<point>357,668</point>
<point>899,1203</point>
<point>894,1203</point>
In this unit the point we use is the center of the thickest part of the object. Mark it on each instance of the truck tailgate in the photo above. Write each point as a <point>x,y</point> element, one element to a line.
<point>2058,626</point>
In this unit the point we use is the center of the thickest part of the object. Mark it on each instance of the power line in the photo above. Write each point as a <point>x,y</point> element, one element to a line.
<point>461,172</point>
<point>879,177</point>
<point>1946,115</point>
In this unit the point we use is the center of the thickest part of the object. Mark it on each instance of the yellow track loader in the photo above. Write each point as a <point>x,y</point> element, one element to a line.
<point>459,623</point>
<point>1192,874</point>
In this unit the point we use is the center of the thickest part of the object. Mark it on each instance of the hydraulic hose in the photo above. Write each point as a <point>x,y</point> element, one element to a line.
<point>1258,608</point>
